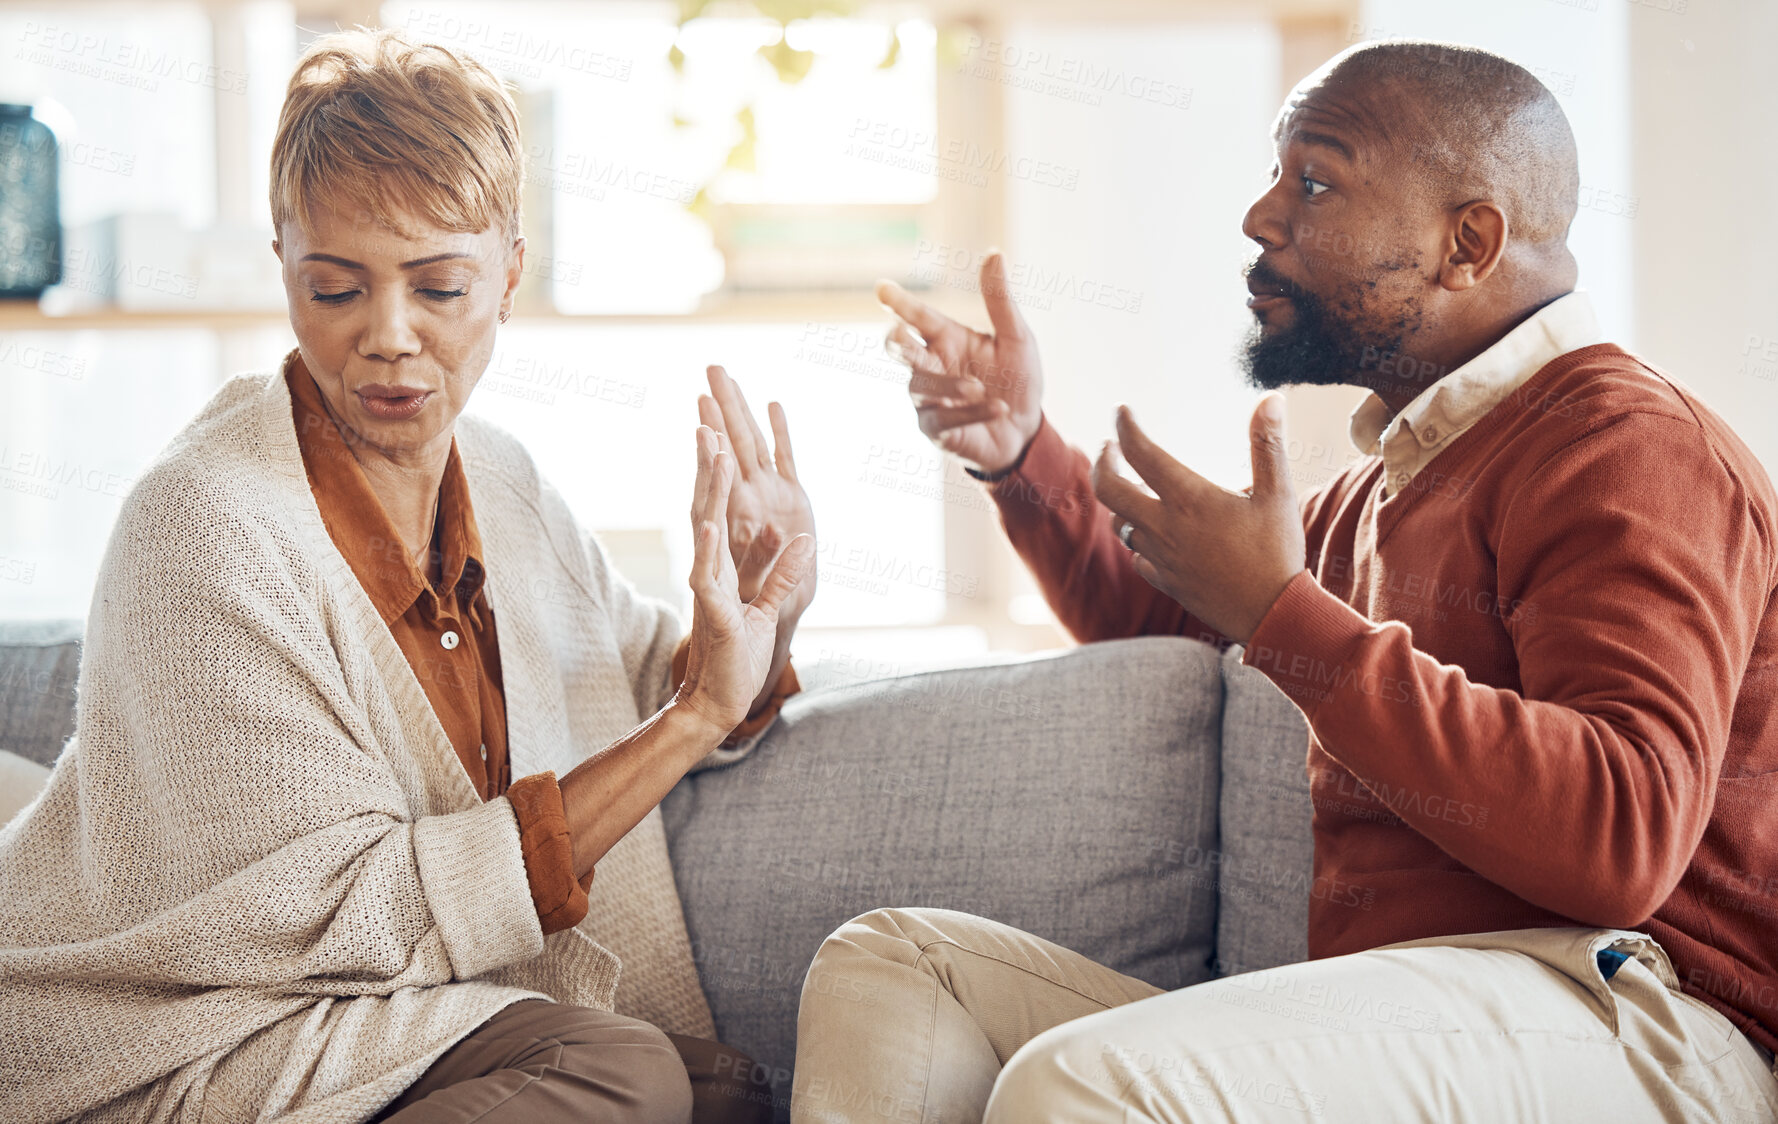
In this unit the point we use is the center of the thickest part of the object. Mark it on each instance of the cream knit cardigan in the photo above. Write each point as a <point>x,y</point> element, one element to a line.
<point>259,883</point>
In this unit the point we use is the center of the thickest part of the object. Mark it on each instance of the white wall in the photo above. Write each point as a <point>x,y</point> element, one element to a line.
<point>1676,114</point>
<point>1582,55</point>
<point>1157,212</point>
<point>1706,174</point>
<point>1161,193</point>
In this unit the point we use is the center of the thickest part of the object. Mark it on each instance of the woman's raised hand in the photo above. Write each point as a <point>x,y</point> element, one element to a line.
<point>732,640</point>
<point>767,506</point>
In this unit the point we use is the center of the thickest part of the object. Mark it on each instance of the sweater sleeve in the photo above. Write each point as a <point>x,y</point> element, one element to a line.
<point>646,629</point>
<point>1642,575</point>
<point>1064,534</point>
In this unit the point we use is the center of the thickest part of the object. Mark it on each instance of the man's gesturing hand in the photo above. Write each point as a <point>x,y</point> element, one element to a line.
<point>977,395</point>
<point>1225,556</point>
<point>732,641</point>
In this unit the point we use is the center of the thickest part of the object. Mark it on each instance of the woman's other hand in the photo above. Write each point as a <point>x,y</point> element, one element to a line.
<point>733,639</point>
<point>767,506</point>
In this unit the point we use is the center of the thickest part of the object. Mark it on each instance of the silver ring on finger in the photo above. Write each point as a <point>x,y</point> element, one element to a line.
<point>1123,534</point>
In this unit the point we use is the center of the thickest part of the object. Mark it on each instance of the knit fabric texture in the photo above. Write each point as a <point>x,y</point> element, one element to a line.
<point>259,883</point>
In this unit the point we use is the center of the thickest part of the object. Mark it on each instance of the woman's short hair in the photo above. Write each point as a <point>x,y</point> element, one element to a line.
<point>378,125</point>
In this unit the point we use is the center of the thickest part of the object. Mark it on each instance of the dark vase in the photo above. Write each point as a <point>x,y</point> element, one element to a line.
<point>30,207</point>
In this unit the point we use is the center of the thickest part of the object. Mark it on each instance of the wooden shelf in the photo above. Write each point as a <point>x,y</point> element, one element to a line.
<point>733,308</point>
<point>23,316</point>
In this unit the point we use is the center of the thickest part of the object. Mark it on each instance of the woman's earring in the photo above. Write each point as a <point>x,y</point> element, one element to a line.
<point>503,315</point>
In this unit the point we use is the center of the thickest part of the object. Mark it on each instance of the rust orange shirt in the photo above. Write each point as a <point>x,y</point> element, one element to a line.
<point>447,633</point>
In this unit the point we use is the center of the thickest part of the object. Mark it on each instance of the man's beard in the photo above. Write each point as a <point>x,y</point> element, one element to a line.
<point>1317,349</point>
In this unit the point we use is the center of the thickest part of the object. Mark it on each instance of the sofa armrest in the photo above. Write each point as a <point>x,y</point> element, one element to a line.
<point>39,670</point>
<point>1073,795</point>
<point>20,782</point>
<point>1268,848</point>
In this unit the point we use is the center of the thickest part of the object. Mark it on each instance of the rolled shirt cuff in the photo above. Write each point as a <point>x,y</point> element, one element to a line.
<point>558,896</point>
<point>757,722</point>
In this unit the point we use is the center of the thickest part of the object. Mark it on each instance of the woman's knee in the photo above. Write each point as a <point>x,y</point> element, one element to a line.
<point>606,1052</point>
<point>536,1056</point>
<point>728,1087</point>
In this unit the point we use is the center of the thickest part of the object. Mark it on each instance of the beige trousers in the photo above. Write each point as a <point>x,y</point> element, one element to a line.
<point>537,1062</point>
<point>935,1017</point>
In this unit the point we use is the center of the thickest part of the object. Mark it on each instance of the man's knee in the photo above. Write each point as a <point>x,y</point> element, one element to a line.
<point>1059,1075</point>
<point>1084,1071</point>
<point>894,934</point>
<point>882,934</point>
<point>891,922</point>
<point>1023,1089</point>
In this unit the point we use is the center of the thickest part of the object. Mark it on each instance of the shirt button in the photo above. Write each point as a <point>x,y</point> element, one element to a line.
<point>484,753</point>
<point>450,640</point>
<point>1431,433</point>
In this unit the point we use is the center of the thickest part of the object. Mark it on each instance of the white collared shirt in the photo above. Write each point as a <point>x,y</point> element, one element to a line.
<point>1442,411</point>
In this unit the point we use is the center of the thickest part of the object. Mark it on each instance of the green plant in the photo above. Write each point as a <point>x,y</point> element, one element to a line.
<point>789,64</point>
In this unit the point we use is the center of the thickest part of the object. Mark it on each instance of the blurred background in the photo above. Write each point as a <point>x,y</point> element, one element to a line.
<point>723,182</point>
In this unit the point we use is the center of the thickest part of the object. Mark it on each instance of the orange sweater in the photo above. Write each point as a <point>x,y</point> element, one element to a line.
<point>1542,680</point>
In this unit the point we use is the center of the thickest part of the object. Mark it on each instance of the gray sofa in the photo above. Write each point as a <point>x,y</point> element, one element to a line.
<point>1142,801</point>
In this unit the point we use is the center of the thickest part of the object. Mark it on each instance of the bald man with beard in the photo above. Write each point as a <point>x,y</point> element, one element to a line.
<point>1532,630</point>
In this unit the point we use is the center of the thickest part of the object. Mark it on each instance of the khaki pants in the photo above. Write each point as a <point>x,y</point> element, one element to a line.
<point>930,1016</point>
<point>538,1062</point>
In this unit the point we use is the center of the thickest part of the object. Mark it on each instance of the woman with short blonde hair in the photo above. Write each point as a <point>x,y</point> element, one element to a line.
<point>323,844</point>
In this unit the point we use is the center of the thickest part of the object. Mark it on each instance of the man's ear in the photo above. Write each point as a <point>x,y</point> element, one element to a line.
<point>278,248</point>
<point>1477,243</point>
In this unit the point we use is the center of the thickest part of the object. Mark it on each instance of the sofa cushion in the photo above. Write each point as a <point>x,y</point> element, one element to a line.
<point>1267,851</point>
<point>39,667</point>
<point>1047,793</point>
